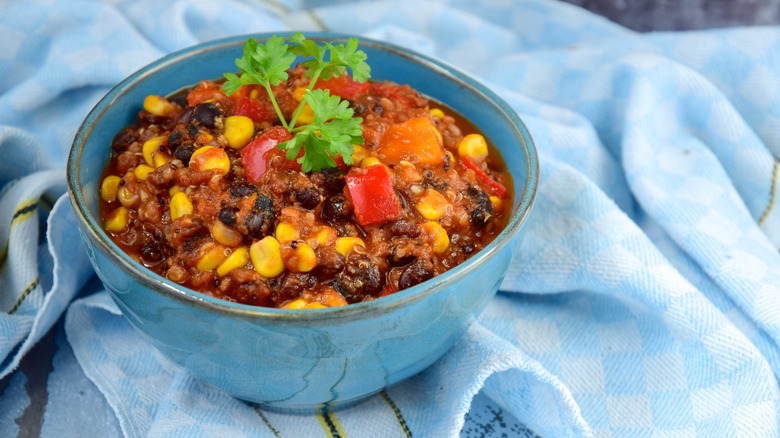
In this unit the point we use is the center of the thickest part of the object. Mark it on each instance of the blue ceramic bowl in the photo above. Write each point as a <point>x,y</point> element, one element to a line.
<point>293,360</point>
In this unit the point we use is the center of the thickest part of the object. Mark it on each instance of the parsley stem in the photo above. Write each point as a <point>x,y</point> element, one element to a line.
<point>267,86</point>
<point>309,87</point>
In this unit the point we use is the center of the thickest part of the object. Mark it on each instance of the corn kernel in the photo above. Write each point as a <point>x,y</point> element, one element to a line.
<point>238,131</point>
<point>345,244</point>
<point>127,197</point>
<point>358,153</point>
<point>180,205</point>
<point>298,94</point>
<point>497,203</point>
<point>255,93</point>
<point>211,258</point>
<point>315,305</point>
<point>210,158</point>
<point>160,159</point>
<point>431,205</point>
<point>436,112</point>
<point>369,161</point>
<point>267,257</point>
<point>302,258</point>
<point>295,304</point>
<point>238,258</point>
<point>158,105</point>
<point>301,303</point>
<point>151,147</point>
<point>306,115</point>
<point>226,235</point>
<point>141,171</point>
<point>118,219</point>
<point>286,232</point>
<point>174,190</point>
<point>441,241</point>
<point>473,146</point>
<point>324,235</point>
<point>109,188</point>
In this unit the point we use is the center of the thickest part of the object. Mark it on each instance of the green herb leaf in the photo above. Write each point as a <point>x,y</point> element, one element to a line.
<point>333,132</point>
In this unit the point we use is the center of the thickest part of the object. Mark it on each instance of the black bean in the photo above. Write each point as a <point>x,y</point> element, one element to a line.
<point>228,216</point>
<point>184,152</point>
<point>416,273</point>
<point>175,139</point>
<point>336,207</point>
<point>150,253</point>
<point>329,261</point>
<point>405,227</point>
<point>186,116</point>
<point>482,213</point>
<point>361,278</point>
<point>464,243</point>
<point>207,114</point>
<point>179,99</point>
<point>192,130</point>
<point>124,138</point>
<point>377,108</point>
<point>260,220</point>
<point>308,197</point>
<point>241,190</point>
<point>334,180</point>
<point>400,255</point>
<point>358,108</point>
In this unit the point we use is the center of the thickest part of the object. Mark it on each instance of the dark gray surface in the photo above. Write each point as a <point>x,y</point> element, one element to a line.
<point>658,15</point>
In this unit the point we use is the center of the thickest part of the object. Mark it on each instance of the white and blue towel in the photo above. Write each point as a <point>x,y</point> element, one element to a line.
<point>645,300</point>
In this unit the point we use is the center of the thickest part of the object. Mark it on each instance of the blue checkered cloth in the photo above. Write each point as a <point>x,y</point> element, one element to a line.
<point>645,299</point>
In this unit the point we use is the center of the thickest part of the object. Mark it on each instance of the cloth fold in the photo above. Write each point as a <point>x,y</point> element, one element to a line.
<point>644,299</point>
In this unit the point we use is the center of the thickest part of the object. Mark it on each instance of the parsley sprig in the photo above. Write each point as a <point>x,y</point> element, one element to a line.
<point>333,130</point>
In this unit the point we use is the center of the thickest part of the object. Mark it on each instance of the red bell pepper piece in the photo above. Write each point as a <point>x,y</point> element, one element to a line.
<point>258,154</point>
<point>343,86</point>
<point>372,195</point>
<point>494,186</point>
<point>254,109</point>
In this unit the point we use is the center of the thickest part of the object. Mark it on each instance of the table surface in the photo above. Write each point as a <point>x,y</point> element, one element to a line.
<point>38,370</point>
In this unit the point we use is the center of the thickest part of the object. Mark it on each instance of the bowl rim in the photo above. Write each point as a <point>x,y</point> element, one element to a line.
<point>166,287</point>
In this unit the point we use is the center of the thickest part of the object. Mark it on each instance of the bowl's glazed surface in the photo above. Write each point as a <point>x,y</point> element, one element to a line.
<point>308,360</point>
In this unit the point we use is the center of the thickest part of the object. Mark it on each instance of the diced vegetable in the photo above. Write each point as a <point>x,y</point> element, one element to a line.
<point>254,109</point>
<point>373,196</point>
<point>416,140</point>
<point>259,152</point>
<point>493,186</point>
<point>343,86</point>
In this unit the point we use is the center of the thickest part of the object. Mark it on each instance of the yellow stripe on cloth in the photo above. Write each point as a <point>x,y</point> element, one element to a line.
<point>331,424</point>
<point>23,211</point>
<point>398,416</point>
<point>31,287</point>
